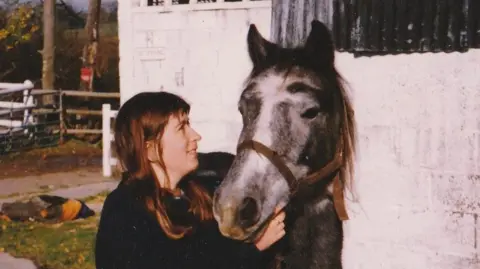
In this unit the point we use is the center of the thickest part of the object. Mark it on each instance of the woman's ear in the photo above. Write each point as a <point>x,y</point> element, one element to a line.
<point>152,151</point>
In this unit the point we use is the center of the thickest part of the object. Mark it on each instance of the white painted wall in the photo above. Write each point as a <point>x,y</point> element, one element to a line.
<point>200,55</point>
<point>418,171</point>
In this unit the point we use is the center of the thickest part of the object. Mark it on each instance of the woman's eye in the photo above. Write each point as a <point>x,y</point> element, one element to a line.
<point>310,113</point>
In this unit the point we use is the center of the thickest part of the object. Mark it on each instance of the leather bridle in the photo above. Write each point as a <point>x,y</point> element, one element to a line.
<point>333,166</point>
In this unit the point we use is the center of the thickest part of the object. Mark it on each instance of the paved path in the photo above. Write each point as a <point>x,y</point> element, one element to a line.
<point>9,262</point>
<point>47,182</point>
<point>76,185</point>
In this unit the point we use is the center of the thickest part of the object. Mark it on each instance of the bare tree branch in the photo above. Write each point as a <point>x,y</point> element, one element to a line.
<point>7,72</point>
<point>72,12</point>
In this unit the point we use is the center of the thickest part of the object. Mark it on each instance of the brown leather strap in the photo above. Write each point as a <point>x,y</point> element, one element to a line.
<point>328,169</point>
<point>274,158</point>
<point>331,167</point>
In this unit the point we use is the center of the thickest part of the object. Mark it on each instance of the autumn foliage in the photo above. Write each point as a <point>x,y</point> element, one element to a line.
<point>19,26</point>
<point>21,43</point>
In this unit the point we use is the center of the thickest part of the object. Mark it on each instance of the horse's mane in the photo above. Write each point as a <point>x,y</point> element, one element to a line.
<point>348,131</point>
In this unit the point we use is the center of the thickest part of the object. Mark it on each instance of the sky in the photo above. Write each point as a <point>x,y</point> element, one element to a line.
<point>83,4</point>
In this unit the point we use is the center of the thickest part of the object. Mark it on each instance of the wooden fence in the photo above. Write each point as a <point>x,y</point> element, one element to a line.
<point>62,111</point>
<point>24,124</point>
<point>107,138</point>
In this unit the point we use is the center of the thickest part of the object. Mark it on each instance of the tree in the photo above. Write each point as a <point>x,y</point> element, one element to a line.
<point>17,26</point>
<point>89,54</point>
<point>48,52</point>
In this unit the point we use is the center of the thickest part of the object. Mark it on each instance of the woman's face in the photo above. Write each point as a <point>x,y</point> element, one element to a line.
<point>179,146</point>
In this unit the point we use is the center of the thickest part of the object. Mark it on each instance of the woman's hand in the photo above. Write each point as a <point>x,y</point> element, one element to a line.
<point>274,232</point>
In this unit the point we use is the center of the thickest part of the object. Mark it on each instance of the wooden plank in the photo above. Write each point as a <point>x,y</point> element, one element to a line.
<point>43,111</point>
<point>77,93</point>
<point>441,25</point>
<point>308,16</point>
<point>388,29</point>
<point>83,131</point>
<point>290,25</point>
<point>454,24</point>
<point>363,8</point>
<point>10,131</point>
<point>291,40</point>
<point>342,24</point>
<point>68,111</point>
<point>44,92</point>
<point>323,11</point>
<point>401,26</point>
<point>6,88</point>
<point>376,16</point>
<point>415,25</point>
<point>276,27</point>
<point>476,11</point>
<point>11,123</point>
<point>464,25</point>
<point>11,111</point>
<point>428,28</point>
<point>4,104</point>
<point>92,94</point>
<point>84,112</point>
<point>355,31</point>
<point>474,23</point>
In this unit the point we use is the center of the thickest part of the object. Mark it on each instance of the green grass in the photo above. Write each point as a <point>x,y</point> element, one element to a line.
<point>70,147</point>
<point>97,198</point>
<point>52,246</point>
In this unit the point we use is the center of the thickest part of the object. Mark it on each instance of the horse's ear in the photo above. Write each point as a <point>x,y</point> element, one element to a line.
<point>320,44</point>
<point>259,48</point>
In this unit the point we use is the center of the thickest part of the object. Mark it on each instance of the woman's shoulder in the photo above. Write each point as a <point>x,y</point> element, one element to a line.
<point>125,198</point>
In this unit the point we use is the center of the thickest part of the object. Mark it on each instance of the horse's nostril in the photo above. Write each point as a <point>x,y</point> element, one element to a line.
<point>248,212</point>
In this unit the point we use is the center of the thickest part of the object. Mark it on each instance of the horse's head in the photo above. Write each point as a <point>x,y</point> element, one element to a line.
<point>294,104</point>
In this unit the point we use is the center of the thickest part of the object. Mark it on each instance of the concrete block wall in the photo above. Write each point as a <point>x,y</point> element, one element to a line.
<point>202,56</point>
<point>418,169</point>
<point>418,165</point>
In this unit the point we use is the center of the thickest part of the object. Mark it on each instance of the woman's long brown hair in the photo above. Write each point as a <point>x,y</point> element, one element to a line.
<point>143,118</point>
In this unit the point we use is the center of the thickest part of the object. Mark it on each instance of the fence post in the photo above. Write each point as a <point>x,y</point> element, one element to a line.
<point>106,140</point>
<point>61,118</point>
<point>27,100</point>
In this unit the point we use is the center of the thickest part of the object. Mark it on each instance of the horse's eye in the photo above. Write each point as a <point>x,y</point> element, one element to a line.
<point>310,113</point>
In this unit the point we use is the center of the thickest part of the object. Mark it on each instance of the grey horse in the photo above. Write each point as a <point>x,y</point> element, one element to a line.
<point>295,150</point>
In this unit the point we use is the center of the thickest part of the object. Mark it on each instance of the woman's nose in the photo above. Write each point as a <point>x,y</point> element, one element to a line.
<point>196,136</point>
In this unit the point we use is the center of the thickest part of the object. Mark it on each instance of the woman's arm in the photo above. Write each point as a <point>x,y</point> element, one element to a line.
<point>238,254</point>
<point>224,253</point>
<point>127,240</point>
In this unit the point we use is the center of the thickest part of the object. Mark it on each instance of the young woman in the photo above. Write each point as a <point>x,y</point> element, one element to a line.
<point>160,216</point>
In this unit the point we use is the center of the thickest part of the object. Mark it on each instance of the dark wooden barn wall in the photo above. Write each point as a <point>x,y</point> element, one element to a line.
<point>382,26</point>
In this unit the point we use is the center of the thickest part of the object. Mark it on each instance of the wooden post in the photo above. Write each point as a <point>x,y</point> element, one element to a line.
<point>61,118</point>
<point>28,101</point>
<point>106,140</point>
<point>48,51</point>
<point>89,54</point>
